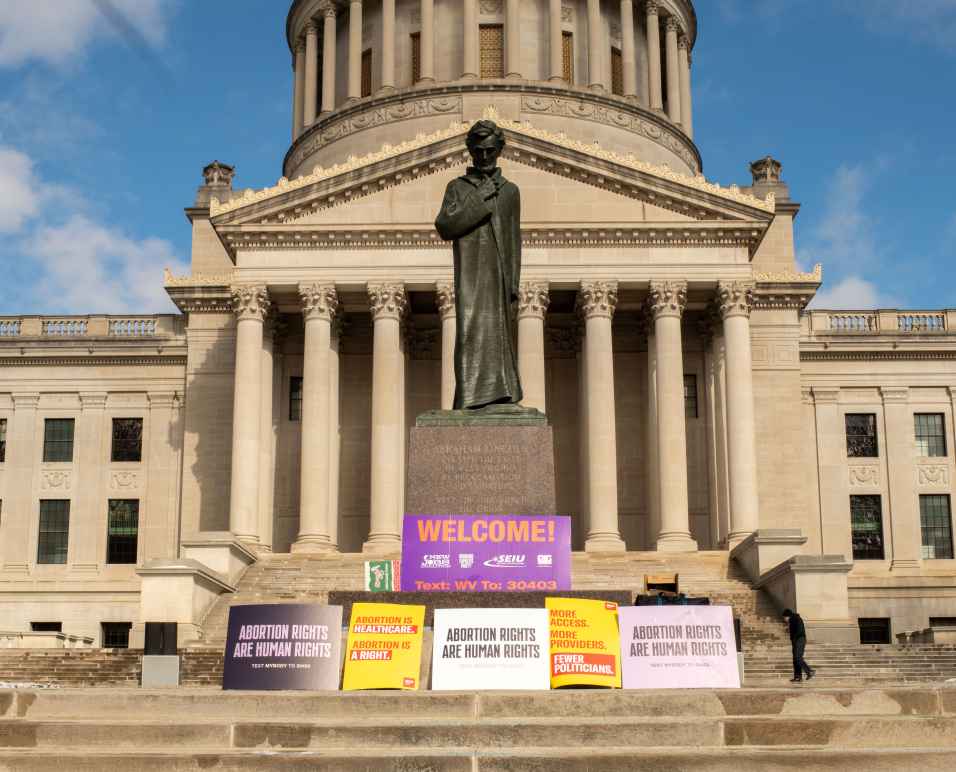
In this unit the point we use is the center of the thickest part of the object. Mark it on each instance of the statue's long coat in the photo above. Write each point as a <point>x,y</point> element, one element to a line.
<point>487,236</point>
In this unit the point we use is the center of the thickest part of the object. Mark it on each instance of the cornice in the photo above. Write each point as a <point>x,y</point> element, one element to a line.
<point>95,361</point>
<point>864,356</point>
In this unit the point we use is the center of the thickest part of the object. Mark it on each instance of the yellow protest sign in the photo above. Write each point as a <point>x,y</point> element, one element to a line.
<point>585,643</point>
<point>384,649</point>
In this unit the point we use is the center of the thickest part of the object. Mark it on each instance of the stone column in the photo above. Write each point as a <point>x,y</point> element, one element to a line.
<point>686,109</point>
<point>654,84</point>
<point>20,509</point>
<point>298,98</point>
<point>735,301</point>
<point>446,310</point>
<point>355,49</point>
<point>388,44</point>
<point>628,52</point>
<point>555,41</point>
<point>903,499</point>
<point>471,68</point>
<point>388,303</point>
<point>667,301</point>
<point>88,515</point>
<point>720,435</point>
<point>513,39</point>
<point>158,525</point>
<point>267,436</point>
<point>673,75</point>
<point>251,305</point>
<point>335,432</point>
<point>328,59</point>
<point>595,46</point>
<point>319,307</point>
<point>653,452</point>
<point>533,301</point>
<point>427,41</point>
<point>311,85</point>
<point>596,303</point>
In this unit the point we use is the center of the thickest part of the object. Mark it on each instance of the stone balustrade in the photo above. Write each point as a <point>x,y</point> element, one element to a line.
<point>57,327</point>
<point>879,322</point>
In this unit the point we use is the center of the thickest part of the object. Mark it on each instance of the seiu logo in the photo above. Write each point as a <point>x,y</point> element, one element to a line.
<point>506,561</point>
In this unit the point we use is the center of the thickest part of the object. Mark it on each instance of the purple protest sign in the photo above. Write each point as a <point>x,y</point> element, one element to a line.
<point>486,553</point>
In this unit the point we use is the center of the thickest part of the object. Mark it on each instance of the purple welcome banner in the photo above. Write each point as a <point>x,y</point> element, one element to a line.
<point>486,553</point>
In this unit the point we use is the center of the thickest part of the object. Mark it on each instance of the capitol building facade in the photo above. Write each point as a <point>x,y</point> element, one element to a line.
<point>697,404</point>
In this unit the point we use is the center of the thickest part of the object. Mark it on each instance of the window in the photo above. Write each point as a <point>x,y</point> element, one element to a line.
<point>122,531</point>
<point>861,435</point>
<point>930,434</point>
<point>492,41</point>
<point>116,634</point>
<point>617,72</point>
<point>936,527</point>
<point>942,621</point>
<point>866,518</point>
<point>54,534</point>
<point>46,627</point>
<point>3,440</point>
<point>295,398</point>
<point>874,630</point>
<point>690,396</point>
<point>416,57</point>
<point>367,72</point>
<point>567,56</point>
<point>58,439</point>
<point>127,439</point>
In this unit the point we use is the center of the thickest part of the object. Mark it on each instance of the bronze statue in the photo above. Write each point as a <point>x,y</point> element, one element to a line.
<point>481,213</point>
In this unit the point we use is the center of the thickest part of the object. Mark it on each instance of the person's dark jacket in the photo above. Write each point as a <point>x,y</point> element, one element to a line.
<point>797,630</point>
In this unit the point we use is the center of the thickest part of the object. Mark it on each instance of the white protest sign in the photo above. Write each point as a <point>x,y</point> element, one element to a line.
<point>491,649</point>
<point>678,647</point>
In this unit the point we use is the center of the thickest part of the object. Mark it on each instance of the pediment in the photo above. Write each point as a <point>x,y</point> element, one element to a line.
<point>564,184</point>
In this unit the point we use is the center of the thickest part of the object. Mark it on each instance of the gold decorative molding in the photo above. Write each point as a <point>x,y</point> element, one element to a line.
<point>198,279</point>
<point>790,277</point>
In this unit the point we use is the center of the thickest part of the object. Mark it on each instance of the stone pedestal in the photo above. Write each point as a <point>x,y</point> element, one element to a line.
<point>498,461</point>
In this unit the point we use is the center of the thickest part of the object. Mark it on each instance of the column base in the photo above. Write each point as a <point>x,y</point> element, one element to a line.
<point>469,76</point>
<point>597,88</point>
<point>605,542</point>
<point>736,538</point>
<point>312,544</point>
<point>383,544</point>
<point>676,542</point>
<point>908,567</point>
<point>514,76</point>
<point>557,79</point>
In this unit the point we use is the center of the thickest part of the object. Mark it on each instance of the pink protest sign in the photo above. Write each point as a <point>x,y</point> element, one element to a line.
<point>678,647</point>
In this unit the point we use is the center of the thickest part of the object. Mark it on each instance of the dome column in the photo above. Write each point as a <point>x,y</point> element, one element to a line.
<point>595,46</point>
<point>428,41</point>
<point>673,74</point>
<point>686,109</point>
<point>555,47</point>
<point>388,44</point>
<point>355,50</point>
<point>311,73</point>
<point>513,38</point>
<point>471,65</point>
<point>628,55</point>
<point>298,98</point>
<point>654,85</point>
<point>328,59</point>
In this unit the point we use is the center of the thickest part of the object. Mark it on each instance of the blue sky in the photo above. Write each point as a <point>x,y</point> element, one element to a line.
<point>103,134</point>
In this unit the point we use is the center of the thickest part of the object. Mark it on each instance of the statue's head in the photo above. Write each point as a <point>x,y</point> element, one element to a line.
<point>485,142</point>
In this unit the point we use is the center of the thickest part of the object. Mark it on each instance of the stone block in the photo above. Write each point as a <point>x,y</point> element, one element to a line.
<point>160,672</point>
<point>481,469</point>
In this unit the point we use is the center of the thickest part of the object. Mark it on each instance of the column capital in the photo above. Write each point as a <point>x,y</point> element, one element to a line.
<point>445,297</point>
<point>300,43</point>
<point>25,400</point>
<point>652,8</point>
<point>533,300</point>
<point>597,299</point>
<point>319,301</point>
<point>667,298</point>
<point>825,396</point>
<point>250,301</point>
<point>161,399</point>
<point>682,41</point>
<point>672,25</point>
<point>898,395</point>
<point>735,298</point>
<point>95,400</point>
<point>311,28</point>
<point>387,301</point>
<point>328,9</point>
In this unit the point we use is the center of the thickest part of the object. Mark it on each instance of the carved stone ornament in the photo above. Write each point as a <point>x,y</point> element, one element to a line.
<point>567,11</point>
<point>387,301</point>
<point>735,298</point>
<point>651,8</point>
<point>56,481</point>
<point>328,8</point>
<point>767,169</point>
<point>219,174</point>
<point>672,25</point>
<point>597,299</point>
<point>250,301</point>
<point>936,475</point>
<point>667,298</point>
<point>864,476</point>
<point>491,6</point>
<point>445,296</point>
<point>533,299</point>
<point>319,301</point>
<point>123,480</point>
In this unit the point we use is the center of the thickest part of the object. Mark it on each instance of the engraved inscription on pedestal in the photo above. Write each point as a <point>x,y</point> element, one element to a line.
<point>478,470</point>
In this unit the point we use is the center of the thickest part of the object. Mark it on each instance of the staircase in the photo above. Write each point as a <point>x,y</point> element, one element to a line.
<point>877,730</point>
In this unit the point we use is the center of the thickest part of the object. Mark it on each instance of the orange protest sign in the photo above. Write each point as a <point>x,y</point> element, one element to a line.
<point>384,649</point>
<point>585,643</point>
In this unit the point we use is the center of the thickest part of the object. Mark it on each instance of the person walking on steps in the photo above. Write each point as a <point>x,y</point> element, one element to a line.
<point>798,642</point>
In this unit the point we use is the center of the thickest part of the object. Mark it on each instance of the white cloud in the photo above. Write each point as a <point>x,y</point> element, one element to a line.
<point>930,20</point>
<point>57,31</point>
<point>852,293</point>
<point>74,264</point>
